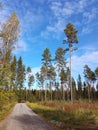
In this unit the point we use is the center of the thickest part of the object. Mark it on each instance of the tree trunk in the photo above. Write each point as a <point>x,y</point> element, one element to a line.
<point>70,49</point>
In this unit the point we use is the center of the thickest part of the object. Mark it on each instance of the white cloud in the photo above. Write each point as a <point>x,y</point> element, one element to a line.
<point>78,62</point>
<point>86,30</point>
<point>21,46</point>
<point>35,70</point>
<point>90,16</point>
<point>78,12</point>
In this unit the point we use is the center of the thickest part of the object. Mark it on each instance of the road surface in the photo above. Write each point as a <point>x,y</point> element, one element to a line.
<point>22,118</point>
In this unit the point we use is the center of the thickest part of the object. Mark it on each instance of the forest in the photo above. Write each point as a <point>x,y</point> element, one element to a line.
<point>53,83</point>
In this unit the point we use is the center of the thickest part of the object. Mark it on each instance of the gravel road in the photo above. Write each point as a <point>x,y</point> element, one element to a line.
<point>22,118</point>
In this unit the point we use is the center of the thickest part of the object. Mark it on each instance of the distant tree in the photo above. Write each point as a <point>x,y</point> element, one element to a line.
<point>60,61</point>
<point>97,90</point>
<point>31,81</point>
<point>46,61</point>
<point>71,34</point>
<point>85,91</point>
<point>43,78</point>
<point>20,74</point>
<point>20,78</point>
<point>60,58</point>
<point>90,79</point>
<point>74,88</point>
<point>28,70</point>
<point>63,78</point>
<point>40,79</point>
<point>57,91</point>
<point>51,76</point>
<point>79,84</point>
<point>40,82</point>
<point>96,73</point>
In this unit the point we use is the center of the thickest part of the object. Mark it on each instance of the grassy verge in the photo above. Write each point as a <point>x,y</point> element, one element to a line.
<point>73,114</point>
<point>6,110</point>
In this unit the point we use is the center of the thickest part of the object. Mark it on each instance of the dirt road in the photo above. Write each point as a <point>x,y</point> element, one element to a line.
<point>22,118</point>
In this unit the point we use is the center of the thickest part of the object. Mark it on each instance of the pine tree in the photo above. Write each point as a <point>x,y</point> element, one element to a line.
<point>79,83</point>
<point>20,79</point>
<point>90,79</point>
<point>71,34</point>
<point>63,78</point>
<point>46,61</point>
<point>96,74</point>
<point>40,82</point>
<point>20,74</point>
<point>31,81</point>
<point>60,63</point>
<point>74,88</point>
<point>51,76</point>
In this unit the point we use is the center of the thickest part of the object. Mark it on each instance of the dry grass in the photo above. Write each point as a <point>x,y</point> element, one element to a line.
<point>6,110</point>
<point>79,113</point>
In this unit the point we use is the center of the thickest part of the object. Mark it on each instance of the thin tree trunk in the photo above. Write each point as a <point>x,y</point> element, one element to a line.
<point>62,89</point>
<point>89,96</point>
<point>70,49</point>
<point>50,90</point>
<point>45,93</point>
<point>68,94</point>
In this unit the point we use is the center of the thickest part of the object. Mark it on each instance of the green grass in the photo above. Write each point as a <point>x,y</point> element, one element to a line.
<point>72,114</point>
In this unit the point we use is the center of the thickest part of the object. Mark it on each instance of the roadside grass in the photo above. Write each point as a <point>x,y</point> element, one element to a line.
<point>5,110</point>
<point>79,113</point>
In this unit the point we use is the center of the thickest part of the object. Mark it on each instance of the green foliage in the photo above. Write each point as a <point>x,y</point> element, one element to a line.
<point>20,74</point>
<point>46,57</point>
<point>31,80</point>
<point>60,58</point>
<point>96,73</point>
<point>6,109</point>
<point>28,70</point>
<point>39,79</point>
<point>63,76</point>
<point>89,74</point>
<point>6,97</point>
<point>79,84</point>
<point>71,32</point>
<point>51,74</point>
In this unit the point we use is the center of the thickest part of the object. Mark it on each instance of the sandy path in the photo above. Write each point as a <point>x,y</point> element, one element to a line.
<point>22,118</point>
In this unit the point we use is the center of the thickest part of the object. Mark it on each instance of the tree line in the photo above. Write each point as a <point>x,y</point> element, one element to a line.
<point>54,81</point>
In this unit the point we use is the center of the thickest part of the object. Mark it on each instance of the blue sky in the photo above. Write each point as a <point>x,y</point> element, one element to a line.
<point>42,24</point>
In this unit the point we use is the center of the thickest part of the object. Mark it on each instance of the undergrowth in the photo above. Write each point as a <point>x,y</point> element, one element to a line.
<point>75,114</point>
<point>5,110</point>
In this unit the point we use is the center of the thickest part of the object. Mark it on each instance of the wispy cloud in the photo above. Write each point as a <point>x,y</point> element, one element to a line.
<point>90,16</point>
<point>78,62</point>
<point>21,46</point>
<point>35,70</point>
<point>78,12</point>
